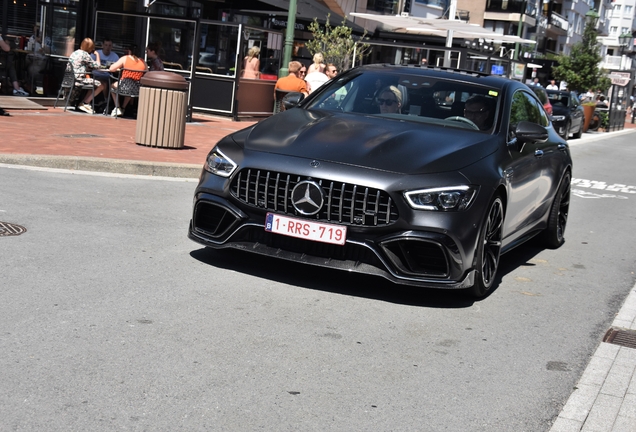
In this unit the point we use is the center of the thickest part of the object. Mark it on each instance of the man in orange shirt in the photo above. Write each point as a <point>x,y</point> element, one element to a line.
<point>292,82</point>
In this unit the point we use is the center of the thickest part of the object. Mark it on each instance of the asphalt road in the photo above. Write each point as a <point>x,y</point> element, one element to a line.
<point>111,319</point>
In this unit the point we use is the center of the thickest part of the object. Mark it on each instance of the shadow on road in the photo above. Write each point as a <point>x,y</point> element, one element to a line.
<point>354,284</point>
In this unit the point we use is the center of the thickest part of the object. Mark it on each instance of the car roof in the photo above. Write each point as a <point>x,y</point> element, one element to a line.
<point>444,73</point>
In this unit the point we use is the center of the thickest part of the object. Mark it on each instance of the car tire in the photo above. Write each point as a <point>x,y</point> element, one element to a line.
<point>566,130</point>
<point>488,249</point>
<point>578,134</point>
<point>553,235</point>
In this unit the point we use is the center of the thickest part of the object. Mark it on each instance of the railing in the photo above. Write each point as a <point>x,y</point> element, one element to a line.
<point>558,21</point>
<point>617,62</point>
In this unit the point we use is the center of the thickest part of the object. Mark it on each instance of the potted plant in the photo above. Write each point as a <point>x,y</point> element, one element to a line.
<point>588,113</point>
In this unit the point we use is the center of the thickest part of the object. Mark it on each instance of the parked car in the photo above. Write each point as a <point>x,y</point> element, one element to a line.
<point>543,97</point>
<point>391,182</point>
<point>567,113</point>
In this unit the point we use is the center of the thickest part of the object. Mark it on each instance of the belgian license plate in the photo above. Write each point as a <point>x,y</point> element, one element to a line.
<point>304,229</point>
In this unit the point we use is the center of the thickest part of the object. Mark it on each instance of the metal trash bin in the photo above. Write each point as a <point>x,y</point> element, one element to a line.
<point>163,104</point>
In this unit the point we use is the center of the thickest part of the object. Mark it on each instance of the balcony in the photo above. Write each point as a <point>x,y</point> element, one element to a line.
<point>616,63</point>
<point>505,6</point>
<point>557,20</point>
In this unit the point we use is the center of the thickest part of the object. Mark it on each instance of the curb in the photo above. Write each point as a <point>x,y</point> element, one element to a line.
<point>117,166</point>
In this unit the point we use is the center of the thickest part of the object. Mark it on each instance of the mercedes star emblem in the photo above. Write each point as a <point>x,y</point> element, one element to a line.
<point>307,197</point>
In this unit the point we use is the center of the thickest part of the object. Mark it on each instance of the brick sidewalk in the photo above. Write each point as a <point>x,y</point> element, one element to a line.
<point>54,132</point>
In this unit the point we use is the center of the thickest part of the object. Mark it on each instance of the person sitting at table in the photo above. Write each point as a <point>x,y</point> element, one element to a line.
<point>106,57</point>
<point>292,82</point>
<point>130,79</point>
<point>152,53</point>
<point>83,63</point>
<point>6,48</point>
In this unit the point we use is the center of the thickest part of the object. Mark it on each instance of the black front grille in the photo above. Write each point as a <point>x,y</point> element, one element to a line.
<point>345,203</point>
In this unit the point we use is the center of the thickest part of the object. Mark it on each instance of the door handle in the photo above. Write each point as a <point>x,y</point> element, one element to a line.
<point>562,147</point>
<point>538,153</point>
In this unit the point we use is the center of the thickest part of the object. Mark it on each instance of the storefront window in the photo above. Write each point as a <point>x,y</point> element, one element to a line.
<point>270,44</point>
<point>175,39</point>
<point>63,24</point>
<point>174,36</point>
<point>217,49</point>
<point>123,30</point>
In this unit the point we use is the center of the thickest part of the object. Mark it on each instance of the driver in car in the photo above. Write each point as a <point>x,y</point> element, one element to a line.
<point>478,110</point>
<point>390,100</point>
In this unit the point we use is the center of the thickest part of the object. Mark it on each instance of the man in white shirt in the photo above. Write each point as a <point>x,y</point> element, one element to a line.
<point>552,85</point>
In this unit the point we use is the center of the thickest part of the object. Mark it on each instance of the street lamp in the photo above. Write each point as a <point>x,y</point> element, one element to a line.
<point>624,41</point>
<point>592,16</point>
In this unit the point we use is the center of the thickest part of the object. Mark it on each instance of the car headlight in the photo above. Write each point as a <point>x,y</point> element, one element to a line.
<point>219,164</point>
<point>558,118</point>
<point>454,198</point>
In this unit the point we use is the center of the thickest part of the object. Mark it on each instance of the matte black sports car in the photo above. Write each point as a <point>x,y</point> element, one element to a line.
<point>420,175</point>
<point>567,113</point>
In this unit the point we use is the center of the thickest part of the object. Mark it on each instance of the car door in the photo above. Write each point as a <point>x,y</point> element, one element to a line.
<point>528,189</point>
<point>576,113</point>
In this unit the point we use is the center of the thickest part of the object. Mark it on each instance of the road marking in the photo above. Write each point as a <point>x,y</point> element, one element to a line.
<point>600,185</point>
<point>585,194</point>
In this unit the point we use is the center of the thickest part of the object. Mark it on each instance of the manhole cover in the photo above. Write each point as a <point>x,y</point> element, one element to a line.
<point>81,136</point>
<point>11,229</point>
<point>626,338</point>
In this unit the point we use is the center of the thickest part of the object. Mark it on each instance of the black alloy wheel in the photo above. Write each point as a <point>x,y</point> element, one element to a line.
<point>489,250</point>
<point>554,234</point>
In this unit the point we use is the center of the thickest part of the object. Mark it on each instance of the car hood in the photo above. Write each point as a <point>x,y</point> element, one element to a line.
<point>368,141</point>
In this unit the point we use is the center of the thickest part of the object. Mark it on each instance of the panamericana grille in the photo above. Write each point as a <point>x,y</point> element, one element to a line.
<point>345,203</point>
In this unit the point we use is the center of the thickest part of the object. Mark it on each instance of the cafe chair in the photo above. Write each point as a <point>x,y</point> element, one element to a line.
<point>170,65</point>
<point>204,69</point>
<point>278,101</point>
<point>132,92</point>
<point>72,86</point>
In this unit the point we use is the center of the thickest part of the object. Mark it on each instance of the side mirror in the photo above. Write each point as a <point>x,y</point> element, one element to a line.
<point>530,132</point>
<point>292,99</point>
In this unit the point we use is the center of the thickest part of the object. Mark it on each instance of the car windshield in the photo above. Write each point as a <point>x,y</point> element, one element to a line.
<point>412,97</point>
<point>558,99</point>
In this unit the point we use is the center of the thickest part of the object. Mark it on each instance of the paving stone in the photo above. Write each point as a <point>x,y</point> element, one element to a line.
<point>603,414</point>
<point>624,424</point>
<point>580,402</point>
<point>617,380</point>
<point>596,371</point>
<point>566,425</point>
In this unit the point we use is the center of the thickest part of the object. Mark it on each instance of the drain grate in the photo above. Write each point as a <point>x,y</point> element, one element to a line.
<point>626,338</point>
<point>81,136</point>
<point>10,229</point>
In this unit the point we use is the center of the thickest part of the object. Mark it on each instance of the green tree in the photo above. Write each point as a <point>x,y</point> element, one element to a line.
<point>580,69</point>
<point>336,44</point>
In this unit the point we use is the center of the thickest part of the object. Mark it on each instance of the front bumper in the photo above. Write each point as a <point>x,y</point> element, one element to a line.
<point>404,256</point>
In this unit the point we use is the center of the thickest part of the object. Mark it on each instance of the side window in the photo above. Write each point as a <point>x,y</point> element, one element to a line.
<point>519,110</point>
<point>525,108</point>
<point>543,117</point>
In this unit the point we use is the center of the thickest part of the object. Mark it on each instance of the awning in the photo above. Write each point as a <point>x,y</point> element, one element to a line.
<point>306,10</point>
<point>440,27</point>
